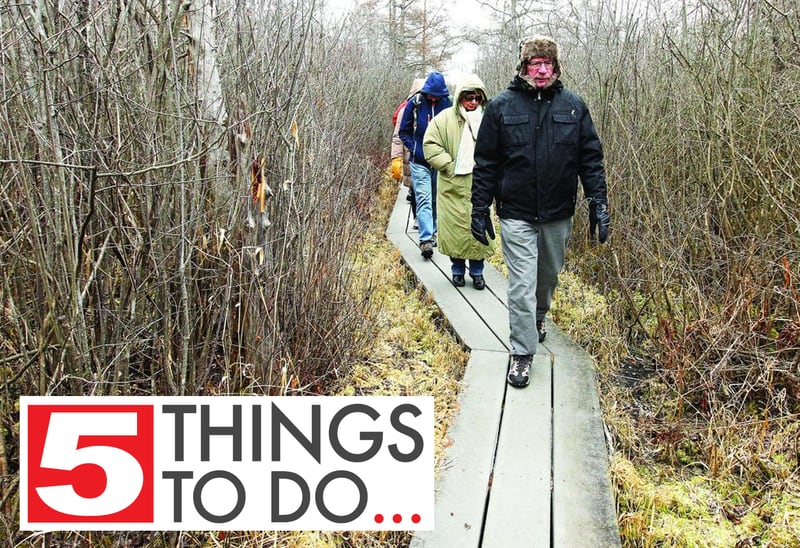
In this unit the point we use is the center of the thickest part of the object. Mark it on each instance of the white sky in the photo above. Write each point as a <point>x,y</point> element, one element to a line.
<point>462,13</point>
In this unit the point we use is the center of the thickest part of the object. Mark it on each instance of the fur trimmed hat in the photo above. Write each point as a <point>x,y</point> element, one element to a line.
<point>538,46</point>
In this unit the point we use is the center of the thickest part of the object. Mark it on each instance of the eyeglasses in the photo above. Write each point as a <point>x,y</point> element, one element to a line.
<point>536,65</point>
<point>472,98</point>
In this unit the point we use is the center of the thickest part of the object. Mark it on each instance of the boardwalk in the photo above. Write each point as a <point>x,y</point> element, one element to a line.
<point>526,468</point>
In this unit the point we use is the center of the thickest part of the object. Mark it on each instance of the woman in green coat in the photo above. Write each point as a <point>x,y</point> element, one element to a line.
<point>449,144</point>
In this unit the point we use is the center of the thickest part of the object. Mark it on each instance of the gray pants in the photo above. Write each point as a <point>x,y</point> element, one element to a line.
<point>534,254</point>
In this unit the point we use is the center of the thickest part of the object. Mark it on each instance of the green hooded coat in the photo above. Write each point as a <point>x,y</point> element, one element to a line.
<point>453,192</point>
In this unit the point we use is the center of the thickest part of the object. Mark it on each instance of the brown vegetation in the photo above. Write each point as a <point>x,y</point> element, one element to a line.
<point>134,260</point>
<point>695,306</point>
<point>697,107</point>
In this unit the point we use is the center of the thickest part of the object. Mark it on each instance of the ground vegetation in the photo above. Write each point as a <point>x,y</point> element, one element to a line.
<point>188,205</point>
<point>694,306</point>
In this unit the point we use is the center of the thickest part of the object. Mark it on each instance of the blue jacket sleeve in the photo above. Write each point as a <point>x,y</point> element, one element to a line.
<point>407,127</point>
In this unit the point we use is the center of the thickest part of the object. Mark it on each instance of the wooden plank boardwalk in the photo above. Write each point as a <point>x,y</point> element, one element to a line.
<point>529,467</point>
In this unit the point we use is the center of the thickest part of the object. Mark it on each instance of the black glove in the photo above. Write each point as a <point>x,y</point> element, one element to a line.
<point>598,218</point>
<point>482,225</point>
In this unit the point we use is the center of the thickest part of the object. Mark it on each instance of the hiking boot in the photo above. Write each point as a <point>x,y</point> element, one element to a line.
<point>478,282</point>
<point>541,329</point>
<point>427,249</point>
<point>519,371</point>
<point>458,280</point>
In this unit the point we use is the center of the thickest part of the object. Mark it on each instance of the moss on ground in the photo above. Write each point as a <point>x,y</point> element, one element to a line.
<point>410,352</point>
<point>667,493</point>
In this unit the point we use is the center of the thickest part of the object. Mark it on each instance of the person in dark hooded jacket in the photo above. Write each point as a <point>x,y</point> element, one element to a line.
<point>420,109</point>
<point>536,141</point>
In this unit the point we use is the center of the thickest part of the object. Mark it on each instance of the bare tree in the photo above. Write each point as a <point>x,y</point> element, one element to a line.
<point>129,262</point>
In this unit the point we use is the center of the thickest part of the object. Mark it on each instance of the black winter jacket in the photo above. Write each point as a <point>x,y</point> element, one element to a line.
<point>532,147</point>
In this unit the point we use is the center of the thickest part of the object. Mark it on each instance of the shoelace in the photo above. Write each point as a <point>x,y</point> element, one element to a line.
<point>518,364</point>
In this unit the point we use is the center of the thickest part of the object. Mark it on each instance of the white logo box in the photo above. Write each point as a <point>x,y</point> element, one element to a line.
<point>226,463</point>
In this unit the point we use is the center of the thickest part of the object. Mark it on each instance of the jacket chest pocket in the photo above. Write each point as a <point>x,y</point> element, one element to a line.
<point>515,129</point>
<point>565,129</point>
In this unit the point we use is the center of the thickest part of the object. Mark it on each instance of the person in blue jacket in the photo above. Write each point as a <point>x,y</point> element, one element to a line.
<point>421,108</point>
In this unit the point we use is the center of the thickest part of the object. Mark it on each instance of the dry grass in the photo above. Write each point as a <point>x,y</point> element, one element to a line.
<point>682,481</point>
<point>411,353</point>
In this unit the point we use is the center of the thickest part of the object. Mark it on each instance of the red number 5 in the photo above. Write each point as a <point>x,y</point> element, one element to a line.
<point>78,447</point>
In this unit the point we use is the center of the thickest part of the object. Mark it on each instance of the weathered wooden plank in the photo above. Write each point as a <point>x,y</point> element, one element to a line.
<point>496,281</point>
<point>398,220</point>
<point>491,309</point>
<point>559,343</point>
<point>463,318</point>
<point>519,502</point>
<point>551,467</point>
<point>583,505</point>
<point>461,491</point>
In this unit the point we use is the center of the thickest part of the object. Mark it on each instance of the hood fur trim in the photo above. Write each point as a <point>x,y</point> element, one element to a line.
<point>538,46</point>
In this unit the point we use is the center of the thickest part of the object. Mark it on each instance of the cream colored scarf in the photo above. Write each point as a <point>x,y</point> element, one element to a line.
<point>466,149</point>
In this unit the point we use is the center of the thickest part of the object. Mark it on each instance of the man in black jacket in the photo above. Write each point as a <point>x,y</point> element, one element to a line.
<point>536,141</point>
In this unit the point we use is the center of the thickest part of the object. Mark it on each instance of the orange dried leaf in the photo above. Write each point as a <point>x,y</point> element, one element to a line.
<point>258,182</point>
<point>295,131</point>
<point>262,190</point>
<point>787,272</point>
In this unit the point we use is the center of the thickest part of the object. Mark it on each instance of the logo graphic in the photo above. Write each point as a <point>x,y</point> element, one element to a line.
<point>226,463</point>
<point>90,463</point>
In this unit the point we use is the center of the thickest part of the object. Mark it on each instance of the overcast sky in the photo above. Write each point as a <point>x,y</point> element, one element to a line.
<point>462,13</point>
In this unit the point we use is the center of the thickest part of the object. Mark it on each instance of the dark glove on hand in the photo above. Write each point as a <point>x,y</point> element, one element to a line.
<point>482,225</point>
<point>598,218</point>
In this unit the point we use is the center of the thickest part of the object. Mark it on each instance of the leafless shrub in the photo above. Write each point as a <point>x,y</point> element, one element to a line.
<point>697,107</point>
<point>134,258</point>
<point>698,115</point>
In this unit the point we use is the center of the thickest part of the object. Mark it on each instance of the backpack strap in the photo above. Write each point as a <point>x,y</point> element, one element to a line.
<point>416,101</point>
